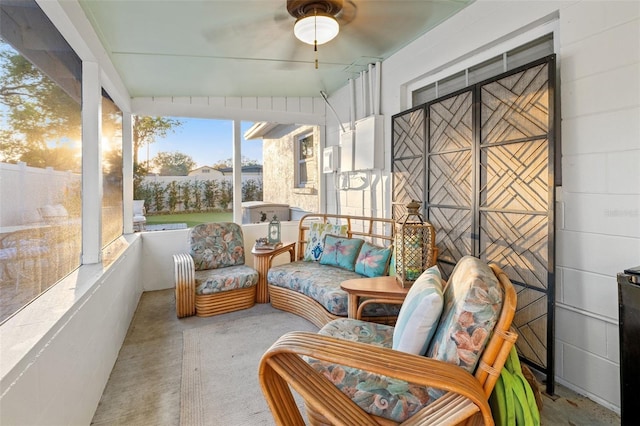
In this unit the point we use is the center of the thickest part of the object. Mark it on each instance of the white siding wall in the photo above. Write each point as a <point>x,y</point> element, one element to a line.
<point>599,234</point>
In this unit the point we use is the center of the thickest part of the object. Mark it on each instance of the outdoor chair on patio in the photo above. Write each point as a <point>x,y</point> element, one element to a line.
<point>212,278</point>
<point>430,369</point>
<point>139,218</point>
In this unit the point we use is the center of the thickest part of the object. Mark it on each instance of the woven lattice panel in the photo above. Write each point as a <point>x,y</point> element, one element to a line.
<point>531,324</point>
<point>514,197</point>
<point>450,124</point>
<point>515,176</point>
<point>516,107</point>
<point>450,179</point>
<point>408,162</point>
<point>408,181</point>
<point>408,134</point>
<point>518,243</point>
<point>453,232</point>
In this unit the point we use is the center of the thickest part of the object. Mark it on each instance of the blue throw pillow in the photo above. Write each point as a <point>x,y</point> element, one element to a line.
<point>419,315</point>
<point>340,252</point>
<point>372,260</point>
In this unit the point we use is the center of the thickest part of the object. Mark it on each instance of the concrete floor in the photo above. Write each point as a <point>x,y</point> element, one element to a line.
<point>144,387</point>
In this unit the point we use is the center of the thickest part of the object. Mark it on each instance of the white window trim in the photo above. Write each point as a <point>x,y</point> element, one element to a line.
<point>298,161</point>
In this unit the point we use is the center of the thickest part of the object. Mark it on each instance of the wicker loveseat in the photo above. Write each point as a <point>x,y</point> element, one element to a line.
<point>310,286</point>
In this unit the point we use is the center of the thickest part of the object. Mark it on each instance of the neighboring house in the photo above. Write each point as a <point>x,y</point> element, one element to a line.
<point>291,166</point>
<point>209,173</point>
<point>248,172</point>
<point>204,171</point>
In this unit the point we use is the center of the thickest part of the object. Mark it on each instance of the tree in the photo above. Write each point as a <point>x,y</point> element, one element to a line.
<point>38,114</point>
<point>147,129</point>
<point>244,161</point>
<point>173,163</point>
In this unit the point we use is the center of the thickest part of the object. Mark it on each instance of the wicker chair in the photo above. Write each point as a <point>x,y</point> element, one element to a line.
<point>212,278</point>
<point>286,366</point>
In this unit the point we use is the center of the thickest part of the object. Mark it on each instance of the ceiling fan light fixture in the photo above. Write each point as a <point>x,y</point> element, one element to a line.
<point>317,28</point>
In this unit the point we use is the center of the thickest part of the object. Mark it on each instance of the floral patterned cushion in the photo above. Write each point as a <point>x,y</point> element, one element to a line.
<point>473,301</point>
<point>315,238</point>
<point>216,245</point>
<point>322,283</point>
<point>340,252</point>
<point>372,260</point>
<point>383,396</point>
<point>359,331</point>
<point>223,279</point>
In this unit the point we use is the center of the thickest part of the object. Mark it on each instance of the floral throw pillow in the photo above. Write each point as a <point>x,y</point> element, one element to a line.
<point>315,238</point>
<point>473,301</point>
<point>340,252</point>
<point>372,260</point>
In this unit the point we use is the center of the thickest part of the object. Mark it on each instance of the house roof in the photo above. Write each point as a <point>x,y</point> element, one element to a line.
<point>245,169</point>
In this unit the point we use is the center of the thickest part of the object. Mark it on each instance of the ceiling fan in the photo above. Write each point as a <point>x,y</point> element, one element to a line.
<point>317,20</point>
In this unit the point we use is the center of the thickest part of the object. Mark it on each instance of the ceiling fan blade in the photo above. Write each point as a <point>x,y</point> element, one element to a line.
<point>347,14</point>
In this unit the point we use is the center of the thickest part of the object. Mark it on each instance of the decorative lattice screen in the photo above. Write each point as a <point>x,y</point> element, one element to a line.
<point>482,159</point>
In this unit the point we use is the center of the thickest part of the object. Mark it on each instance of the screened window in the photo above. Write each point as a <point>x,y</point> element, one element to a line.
<point>536,49</point>
<point>40,155</point>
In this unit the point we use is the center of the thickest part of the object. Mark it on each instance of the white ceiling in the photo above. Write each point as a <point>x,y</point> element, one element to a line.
<point>247,47</point>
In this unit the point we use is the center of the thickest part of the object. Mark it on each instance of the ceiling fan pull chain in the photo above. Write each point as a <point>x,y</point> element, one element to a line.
<point>315,49</point>
<point>315,35</point>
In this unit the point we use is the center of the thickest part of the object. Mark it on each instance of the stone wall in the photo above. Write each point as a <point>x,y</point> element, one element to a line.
<point>279,178</point>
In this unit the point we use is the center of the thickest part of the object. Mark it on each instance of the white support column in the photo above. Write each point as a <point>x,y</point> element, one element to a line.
<point>127,171</point>
<point>91,163</point>
<point>237,172</point>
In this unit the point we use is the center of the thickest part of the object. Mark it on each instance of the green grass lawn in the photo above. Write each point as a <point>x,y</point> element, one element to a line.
<point>191,219</point>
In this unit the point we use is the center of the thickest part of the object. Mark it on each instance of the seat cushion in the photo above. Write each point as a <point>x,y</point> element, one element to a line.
<point>473,302</point>
<point>224,279</point>
<point>359,331</point>
<point>322,283</point>
<point>392,399</point>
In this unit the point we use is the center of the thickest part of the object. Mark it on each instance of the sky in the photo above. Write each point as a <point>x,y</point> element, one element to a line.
<point>206,141</point>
